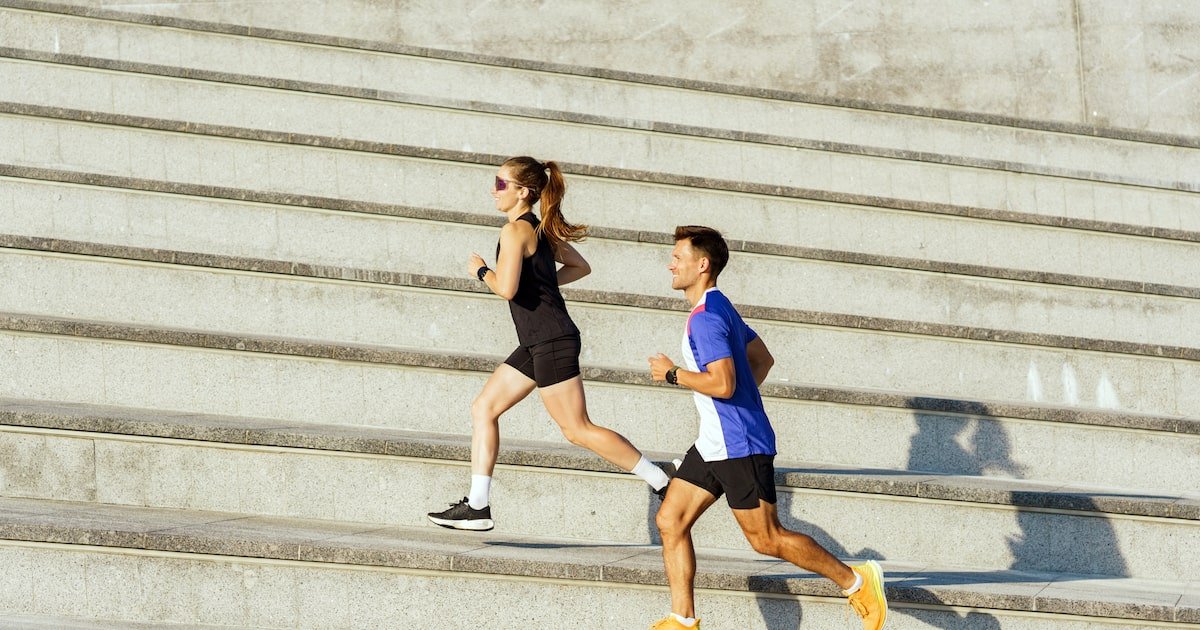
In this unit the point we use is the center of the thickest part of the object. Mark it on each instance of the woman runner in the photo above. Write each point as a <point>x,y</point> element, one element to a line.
<point>548,355</point>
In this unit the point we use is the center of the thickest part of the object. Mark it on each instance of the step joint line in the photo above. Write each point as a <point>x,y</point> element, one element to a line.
<point>1081,129</point>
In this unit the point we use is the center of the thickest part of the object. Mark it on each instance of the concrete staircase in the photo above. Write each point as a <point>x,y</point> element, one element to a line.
<point>237,346</point>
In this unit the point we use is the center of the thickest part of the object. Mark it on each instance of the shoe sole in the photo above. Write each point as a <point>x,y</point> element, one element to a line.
<point>476,525</point>
<point>876,586</point>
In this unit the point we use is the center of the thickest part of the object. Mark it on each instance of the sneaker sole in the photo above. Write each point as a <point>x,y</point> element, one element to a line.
<point>477,525</point>
<point>876,585</point>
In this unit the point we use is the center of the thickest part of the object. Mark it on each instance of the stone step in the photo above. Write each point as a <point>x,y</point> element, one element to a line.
<point>386,478</point>
<point>832,293</point>
<point>53,204</point>
<point>180,372</point>
<point>454,315</point>
<point>845,293</point>
<point>55,622</point>
<point>235,569</point>
<point>297,118</point>
<point>98,422</point>
<point>388,72</point>
<point>454,181</point>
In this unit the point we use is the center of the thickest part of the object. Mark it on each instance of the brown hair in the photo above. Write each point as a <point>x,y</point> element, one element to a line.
<point>545,183</point>
<point>708,242</point>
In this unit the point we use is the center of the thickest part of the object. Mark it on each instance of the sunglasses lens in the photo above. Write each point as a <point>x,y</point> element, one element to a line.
<point>501,184</point>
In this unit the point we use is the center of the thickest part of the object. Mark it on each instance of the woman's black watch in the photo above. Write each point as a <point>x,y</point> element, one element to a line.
<point>671,377</point>
<point>481,272</point>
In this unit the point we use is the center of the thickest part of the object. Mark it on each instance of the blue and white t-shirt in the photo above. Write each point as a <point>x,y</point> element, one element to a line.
<point>729,427</point>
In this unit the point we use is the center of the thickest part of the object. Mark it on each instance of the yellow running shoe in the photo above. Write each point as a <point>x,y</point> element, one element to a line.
<point>869,601</point>
<point>669,623</point>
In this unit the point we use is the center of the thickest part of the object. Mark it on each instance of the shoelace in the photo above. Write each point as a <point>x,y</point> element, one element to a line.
<point>858,607</point>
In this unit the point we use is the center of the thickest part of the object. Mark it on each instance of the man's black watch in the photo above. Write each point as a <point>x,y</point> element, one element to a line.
<point>672,378</point>
<point>481,272</point>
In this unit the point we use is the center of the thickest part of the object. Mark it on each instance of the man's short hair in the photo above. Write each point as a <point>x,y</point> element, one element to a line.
<point>708,242</point>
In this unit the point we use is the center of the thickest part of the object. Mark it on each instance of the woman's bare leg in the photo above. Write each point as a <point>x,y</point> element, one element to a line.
<point>506,387</point>
<point>566,404</point>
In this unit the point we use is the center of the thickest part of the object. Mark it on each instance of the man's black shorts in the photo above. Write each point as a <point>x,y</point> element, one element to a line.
<point>550,362</point>
<point>743,481</point>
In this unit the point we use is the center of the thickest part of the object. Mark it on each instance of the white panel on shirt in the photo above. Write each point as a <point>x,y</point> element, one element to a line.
<point>711,441</point>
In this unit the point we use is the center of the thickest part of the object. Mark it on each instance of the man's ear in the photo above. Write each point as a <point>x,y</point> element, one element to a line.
<point>705,265</point>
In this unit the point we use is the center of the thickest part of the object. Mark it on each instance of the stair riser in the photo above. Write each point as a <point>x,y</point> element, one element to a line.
<point>47,85</point>
<point>195,589</point>
<point>258,230</point>
<point>630,149</point>
<point>497,85</point>
<point>546,502</point>
<point>291,390</point>
<point>422,247</point>
<point>434,320</point>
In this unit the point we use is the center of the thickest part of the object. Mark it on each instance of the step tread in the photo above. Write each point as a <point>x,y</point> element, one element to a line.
<point>1024,493</point>
<point>433,549</point>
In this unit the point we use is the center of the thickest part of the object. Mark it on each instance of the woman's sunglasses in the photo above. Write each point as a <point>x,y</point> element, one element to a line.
<point>502,184</point>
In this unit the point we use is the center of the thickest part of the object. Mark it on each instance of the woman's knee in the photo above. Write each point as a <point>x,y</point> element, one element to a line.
<point>483,411</point>
<point>577,435</point>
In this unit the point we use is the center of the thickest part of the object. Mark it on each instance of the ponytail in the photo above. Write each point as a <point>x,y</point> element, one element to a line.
<point>554,225</point>
<point>546,182</point>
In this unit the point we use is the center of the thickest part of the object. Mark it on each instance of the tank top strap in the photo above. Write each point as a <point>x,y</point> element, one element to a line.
<point>531,218</point>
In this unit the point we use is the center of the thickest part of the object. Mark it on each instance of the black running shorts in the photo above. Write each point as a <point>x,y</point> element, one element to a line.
<point>743,480</point>
<point>550,362</point>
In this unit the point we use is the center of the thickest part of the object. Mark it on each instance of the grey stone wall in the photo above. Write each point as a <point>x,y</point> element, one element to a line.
<point>1116,63</point>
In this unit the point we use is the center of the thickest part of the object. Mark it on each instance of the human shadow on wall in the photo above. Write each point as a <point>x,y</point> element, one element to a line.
<point>965,438</point>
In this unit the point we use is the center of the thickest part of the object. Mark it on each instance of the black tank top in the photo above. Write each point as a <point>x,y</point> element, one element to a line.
<point>538,309</point>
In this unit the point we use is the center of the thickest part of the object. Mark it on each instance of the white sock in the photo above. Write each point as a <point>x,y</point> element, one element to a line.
<point>481,486</point>
<point>858,582</point>
<point>651,474</point>
<point>687,621</point>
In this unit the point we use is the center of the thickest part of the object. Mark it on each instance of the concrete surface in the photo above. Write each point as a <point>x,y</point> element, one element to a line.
<point>295,579</point>
<point>1094,62</point>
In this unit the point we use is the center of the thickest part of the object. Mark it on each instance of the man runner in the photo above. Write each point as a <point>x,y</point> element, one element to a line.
<point>734,455</point>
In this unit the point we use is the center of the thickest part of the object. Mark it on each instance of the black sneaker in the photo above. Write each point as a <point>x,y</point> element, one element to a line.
<point>463,516</point>
<point>670,469</point>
